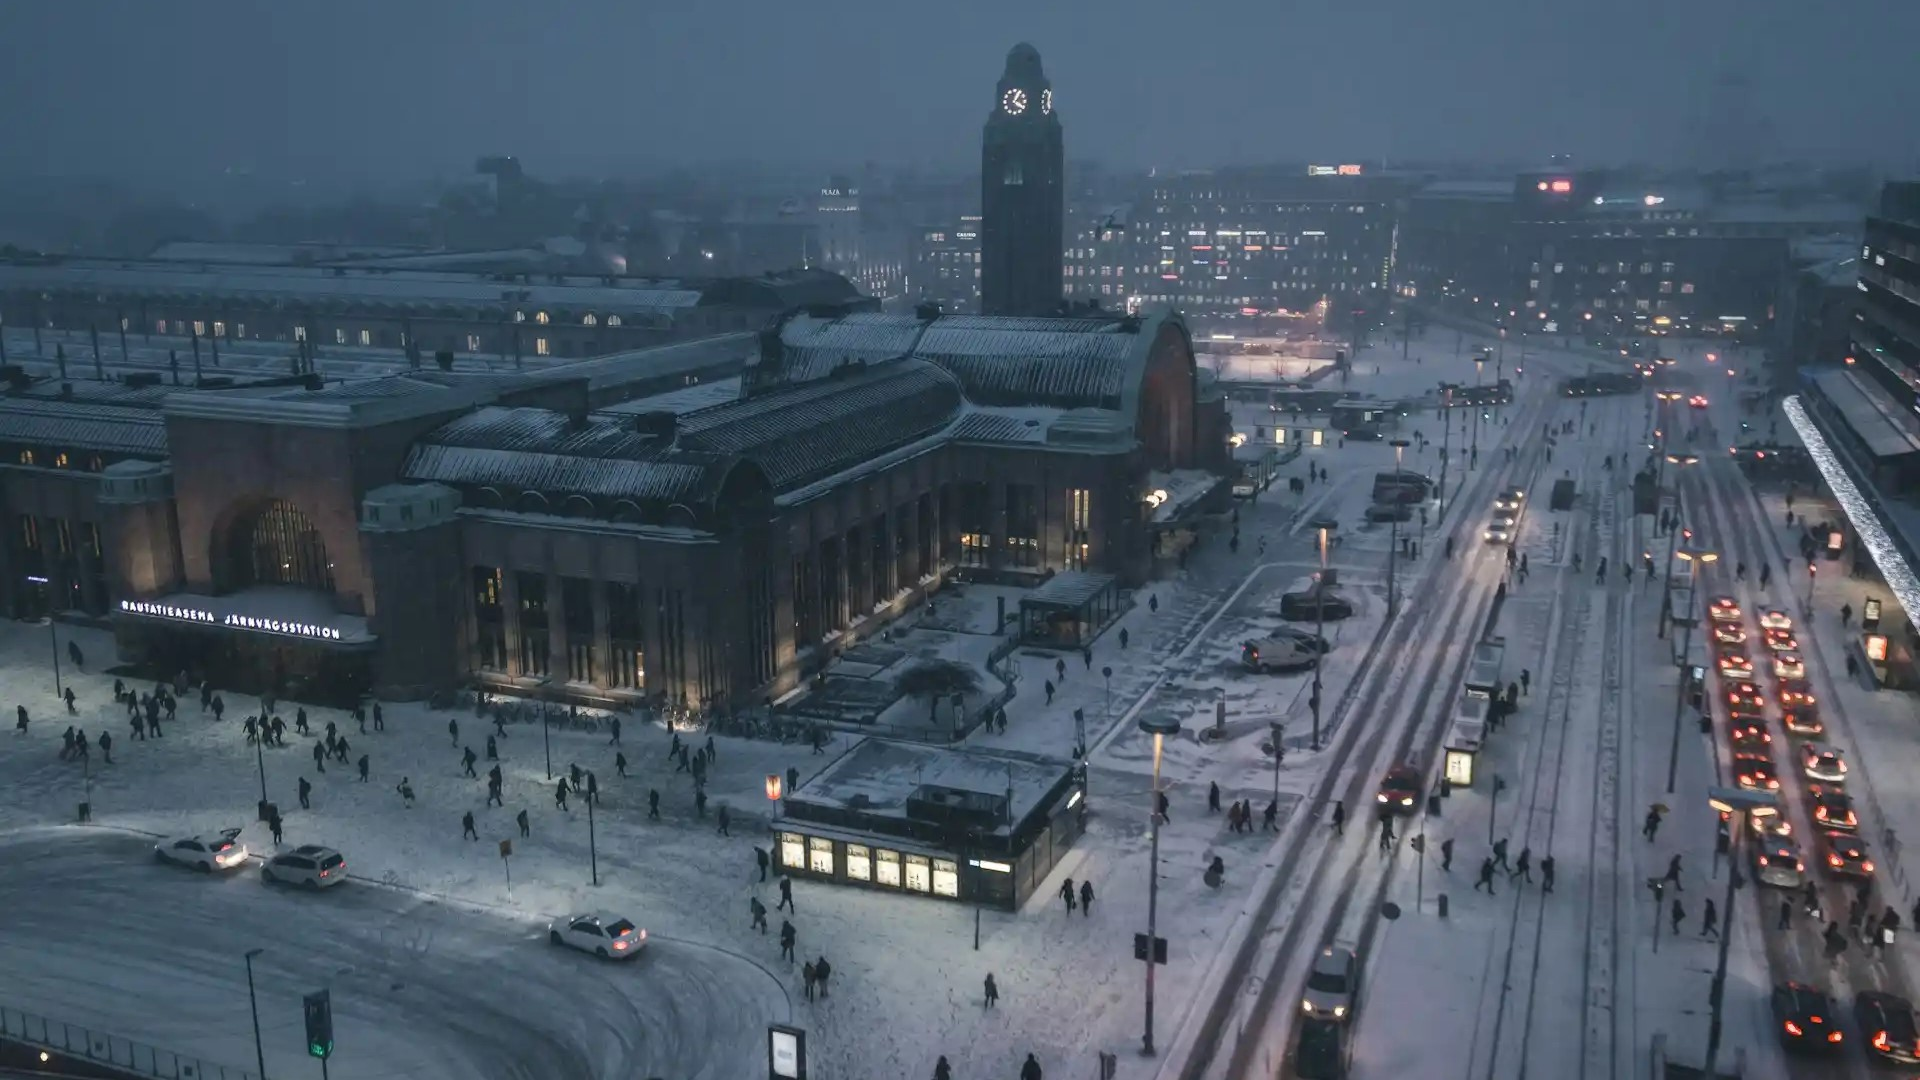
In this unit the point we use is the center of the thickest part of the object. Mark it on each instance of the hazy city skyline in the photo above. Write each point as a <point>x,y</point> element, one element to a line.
<point>396,93</point>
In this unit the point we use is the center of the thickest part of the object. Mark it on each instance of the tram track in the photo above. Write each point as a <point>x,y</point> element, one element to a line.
<point>1465,600</point>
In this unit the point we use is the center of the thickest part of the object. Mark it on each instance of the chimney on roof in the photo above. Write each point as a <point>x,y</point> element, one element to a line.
<point>926,310</point>
<point>66,391</point>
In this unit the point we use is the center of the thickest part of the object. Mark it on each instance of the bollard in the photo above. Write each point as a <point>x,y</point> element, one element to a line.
<point>1442,902</point>
<point>1446,788</point>
<point>1433,806</point>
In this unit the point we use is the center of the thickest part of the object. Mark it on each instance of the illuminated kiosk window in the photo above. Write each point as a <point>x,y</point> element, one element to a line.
<point>819,855</point>
<point>919,874</point>
<point>1319,437</point>
<point>946,878</point>
<point>859,862</point>
<point>793,850</point>
<point>886,868</point>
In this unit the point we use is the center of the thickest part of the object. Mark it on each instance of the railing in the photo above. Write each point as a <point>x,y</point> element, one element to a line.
<point>86,1044</point>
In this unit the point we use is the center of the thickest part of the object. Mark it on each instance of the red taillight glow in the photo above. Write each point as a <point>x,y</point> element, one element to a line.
<point>1835,860</point>
<point>1794,1029</point>
<point>619,944</point>
<point>1867,866</point>
<point>324,873</point>
<point>1833,1036</point>
<point>1880,1040</point>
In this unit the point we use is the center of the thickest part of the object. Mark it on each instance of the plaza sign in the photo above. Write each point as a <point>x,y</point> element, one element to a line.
<point>203,617</point>
<point>1334,170</point>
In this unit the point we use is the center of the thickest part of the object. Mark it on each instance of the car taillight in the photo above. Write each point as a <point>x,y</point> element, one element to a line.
<point>1867,865</point>
<point>1880,1040</point>
<point>1833,1036</point>
<point>1763,860</point>
<point>1794,1029</point>
<point>1834,860</point>
<point>619,944</point>
<point>1798,866</point>
<point>324,873</point>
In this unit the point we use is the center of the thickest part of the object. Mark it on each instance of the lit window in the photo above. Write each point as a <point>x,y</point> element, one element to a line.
<point>540,347</point>
<point>60,460</point>
<point>541,318</point>
<point>239,329</point>
<point>473,342</point>
<point>26,457</point>
<point>339,335</point>
<point>1666,286</point>
<point>519,316</point>
<point>219,329</point>
<point>124,321</point>
<point>299,333</point>
<point>1686,288</point>
<point>366,337</point>
<point>613,320</point>
<point>199,328</point>
<point>589,320</point>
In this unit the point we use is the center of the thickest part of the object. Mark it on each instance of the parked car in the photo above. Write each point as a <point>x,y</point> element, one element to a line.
<point>1831,808</point>
<point>1776,861</point>
<point>1805,1017</point>
<point>1309,604</point>
<point>220,851</point>
<point>1332,984</point>
<point>1846,854</point>
<point>1400,789</point>
<point>1276,654</point>
<point>1723,609</point>
<point>1823,762</point>
<point>1886,1023</point>
<point>309,865</point>
<point>600,933</point>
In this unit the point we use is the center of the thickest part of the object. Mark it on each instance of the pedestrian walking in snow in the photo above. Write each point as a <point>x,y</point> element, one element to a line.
<point>526,827</point>
<point>250,726</point>
<point>993,992</point>
<point>341,749</point>
<point>1546,873</point>
<point>700,802</point>
<point>615,728</point>
<point>106,748</point>
<point>276,827</point>
<point>1086,899</point>
<point>807,976</point>
<point>786,941</point>
<point>20,719</point>
<point>493,794</point>
<point>1030,1070</point>
<point>319,758</point>
<point>380,719</point>
<point>1651,826</point>
<point>1123,637</point>
<point>760,858</point>
<point>942,1070</point>
<point>619,764</point>
<point>725,819</point>
<point>1677,914</point>
<point>219,706</point>
<point>576,774</point>
<point>363,768</point>
<point>1048,686</point>
<point>560,793</point>
<point>1766,574</point>
<point>1846,614</point>
<point>1233,817</point>
<point>71,711</point>
<point>1673,874</point>
<point>1786,916</point>
<point>1060,669</point>
<point>593,789</point>
<point>306,792</point>
<point>759,912</point>
<point>1856,911</point>
<point>138,725</point>
<point>1386,832</point>
<point>405,788</point>
<point>1500,853</point>
<point>1710,920</point>
<point>653,804</point>
<point>493,749</point>
<point>1339,818</point>
<point>1446,855</point>
<point>1213,797</point>
<point>1268,816</point>
<point>360,718</point>
<point>300,721</point>
<point>1526,681</point>
<point>786,896</point>
<point>1523,866</point>
<point>453,732</point>
<point>1486,876</point>
<point>1835,940</point>
<point>1165,804</point>
<point>1067,894</point>
<point>467,830</point>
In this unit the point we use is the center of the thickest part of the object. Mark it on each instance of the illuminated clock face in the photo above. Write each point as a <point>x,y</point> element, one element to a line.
<point>1046,102</point>
<point>1014,101</point>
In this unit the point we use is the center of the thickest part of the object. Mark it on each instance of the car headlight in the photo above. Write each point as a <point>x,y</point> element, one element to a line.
<point>1408,801</point>
<point>1306,1006</point>
<point>1382,797</point>
<point>1339,1011</point>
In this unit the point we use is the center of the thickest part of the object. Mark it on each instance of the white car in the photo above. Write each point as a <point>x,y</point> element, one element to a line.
<point>222,851</point>
<point>1500,530</point>
<point>1788,665</point>
<point>601,934</point>
<point>1510,499</point>
<point>1823,762</point>
<point>1775,619</point>
<point>309,865</point>
<point>1332,984</point>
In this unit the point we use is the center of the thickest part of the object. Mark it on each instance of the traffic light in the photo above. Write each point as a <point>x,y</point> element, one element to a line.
<point>319,1012</point>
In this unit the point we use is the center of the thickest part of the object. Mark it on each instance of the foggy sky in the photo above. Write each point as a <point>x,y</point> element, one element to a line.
<point>405,89</point>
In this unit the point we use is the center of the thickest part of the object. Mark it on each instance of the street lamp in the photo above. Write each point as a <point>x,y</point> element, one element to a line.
<point>1473,454</point>
<point>1393,541</point>
<point>1739,804</point>
<point>53,636</point>
<point>1446,444</point>
<point>1159,728</point>
<point>1666,398</point>
<point>1323,525</point>
<point>259,1050</point>
<point>1700,555</point>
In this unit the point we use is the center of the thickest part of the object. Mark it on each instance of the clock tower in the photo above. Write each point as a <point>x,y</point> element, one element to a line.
<point>1022,194</point>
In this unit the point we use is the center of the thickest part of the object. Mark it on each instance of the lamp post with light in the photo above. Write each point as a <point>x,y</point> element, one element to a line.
<point>1691,555</point>
<point>1322,525</point>
<point>1393,541</point>
<point>259,1049</point>
<point>1159,728</point>
<point>1739,804</point>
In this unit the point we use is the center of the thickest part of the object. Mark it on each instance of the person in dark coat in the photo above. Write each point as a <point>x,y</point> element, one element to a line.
<point>560,793</point>
<point>1546,874</point>
<point>1067,894</point>
<point>1213,797</point>
<point>20,719</point>
<point>1710,920</point>
<point>786,941</point>
<point>306,791</point>
<point>1677,913</point>
<point>1031,1070</point>
<point>822,969</point>
<point>1486,876</point>
<point>362,763</point>
<point>993,992</point>
<point>1086,899</point>
<point>786,896</point>
<point>760,857</point>
<point>619,764</point>
<point>725,820</point>
<point>276,827</point>
<point>1339,817</point>
<point>466,826</point>
<point>941,1070</point>
<point>1446,855</point>
<point>106,747</point>
<point>467,758</point>
<point>453,732</point>
<point>808,977</point>
<point>759,912</point>
<point>653,804</point>
<point>319,758</point>
<point>521,820</point>
<point>405,788</point>
<point>493,749</point>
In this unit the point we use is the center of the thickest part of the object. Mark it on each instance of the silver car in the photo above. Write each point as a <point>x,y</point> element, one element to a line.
<point>221,851</point>
<point>309,865</point>
<point>1776,861</point>
<point>1332,984</point>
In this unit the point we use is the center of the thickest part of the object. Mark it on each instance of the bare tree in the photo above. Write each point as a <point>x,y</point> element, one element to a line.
<point>937,679</point>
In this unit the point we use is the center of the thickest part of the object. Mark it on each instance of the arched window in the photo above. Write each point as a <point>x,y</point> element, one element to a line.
<point>280,546</point>
<point>589,320</point>
<point>541,318</point>
<point>613,320</point>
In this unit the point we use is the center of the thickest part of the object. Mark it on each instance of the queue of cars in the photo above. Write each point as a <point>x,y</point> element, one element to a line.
<point>315,867</point>
<point>1806,1017</point>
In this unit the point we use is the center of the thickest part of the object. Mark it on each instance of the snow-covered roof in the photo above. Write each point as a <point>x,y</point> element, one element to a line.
<point>75,425</point>
<point>876,777</point>
<point>684,400</point>
<point>547,451</point>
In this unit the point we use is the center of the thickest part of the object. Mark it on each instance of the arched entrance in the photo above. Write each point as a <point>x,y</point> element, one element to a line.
<point>273,543</point>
